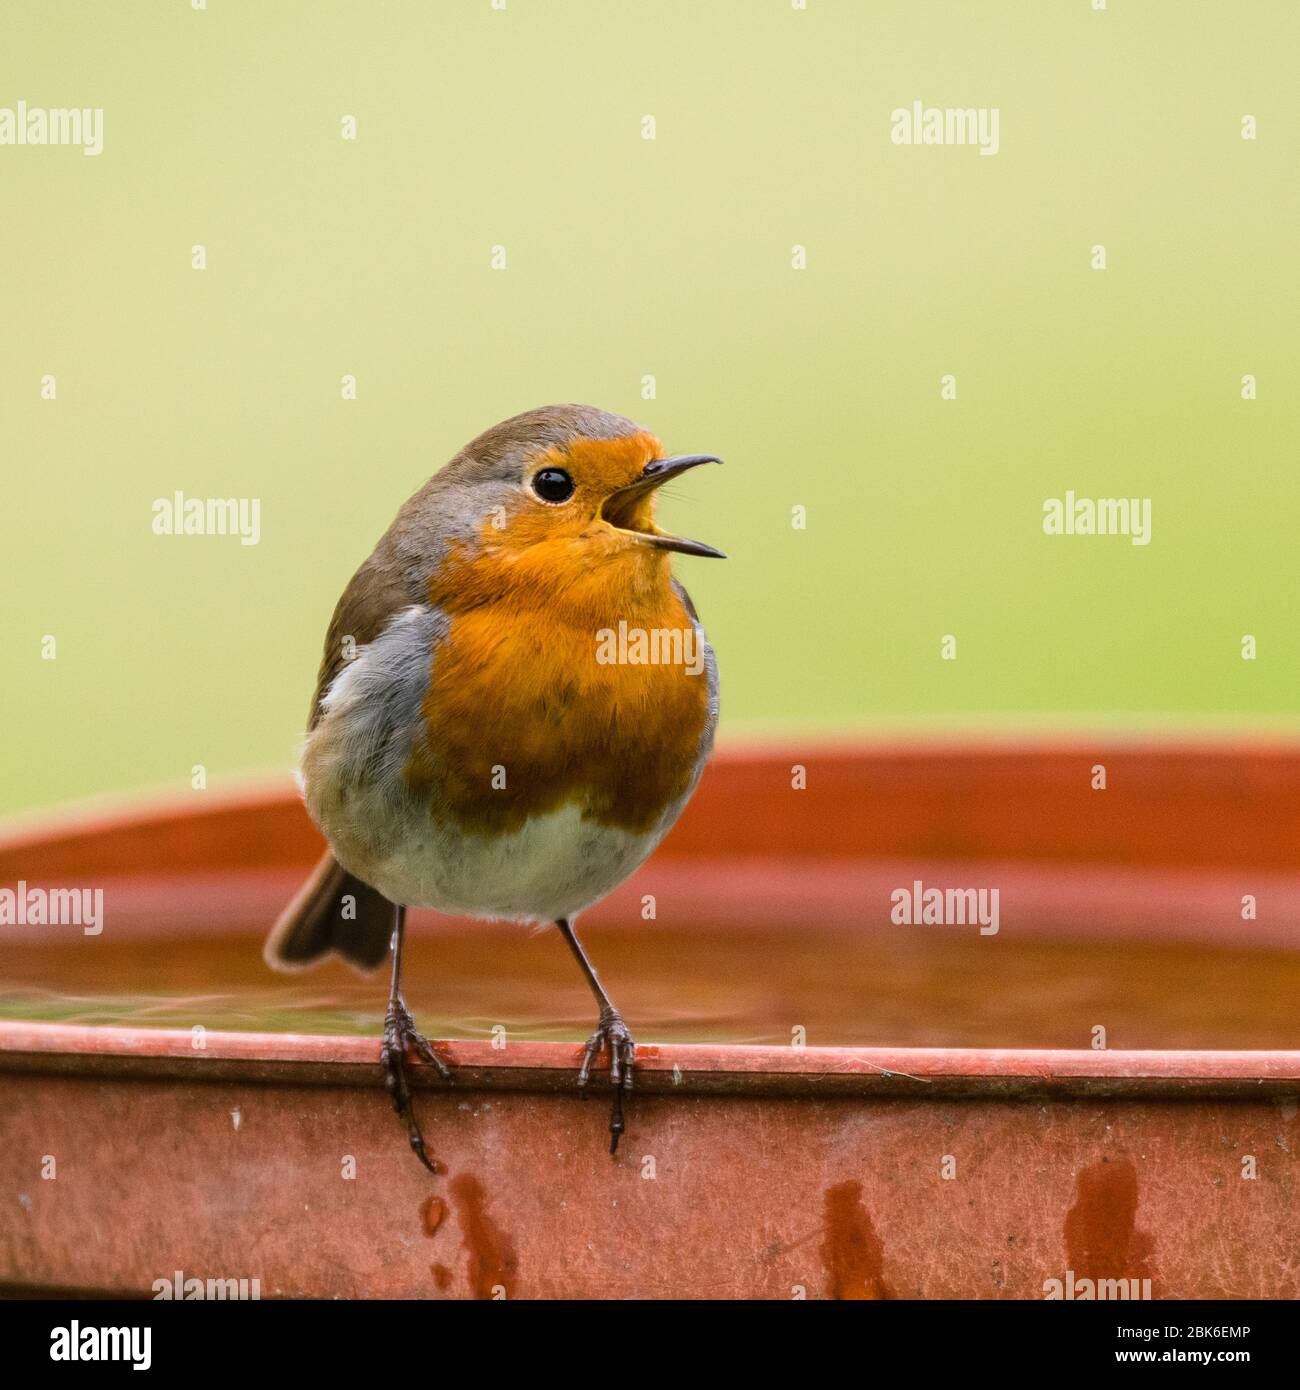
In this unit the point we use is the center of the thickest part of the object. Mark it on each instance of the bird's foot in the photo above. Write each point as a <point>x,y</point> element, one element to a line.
<point>611,1033</point>
<point>400,1035</point>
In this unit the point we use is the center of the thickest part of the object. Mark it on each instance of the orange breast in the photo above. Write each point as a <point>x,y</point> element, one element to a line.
<point>522,718</point>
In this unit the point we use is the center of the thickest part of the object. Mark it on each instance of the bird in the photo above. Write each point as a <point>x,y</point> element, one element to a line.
<point>515,702</point>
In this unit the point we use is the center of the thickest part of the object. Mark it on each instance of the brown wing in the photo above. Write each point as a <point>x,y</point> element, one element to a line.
<point>333,911</point>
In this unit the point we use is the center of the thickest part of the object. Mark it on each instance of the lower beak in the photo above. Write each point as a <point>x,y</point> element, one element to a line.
<point>656,473</point>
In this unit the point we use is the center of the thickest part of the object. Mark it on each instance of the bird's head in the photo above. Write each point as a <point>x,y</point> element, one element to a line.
<point>564,495</point>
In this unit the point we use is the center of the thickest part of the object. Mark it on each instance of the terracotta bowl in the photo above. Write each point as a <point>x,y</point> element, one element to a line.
<point>831,1102</point>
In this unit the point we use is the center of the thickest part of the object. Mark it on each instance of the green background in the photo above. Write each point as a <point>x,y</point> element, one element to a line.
<point>670,257</point>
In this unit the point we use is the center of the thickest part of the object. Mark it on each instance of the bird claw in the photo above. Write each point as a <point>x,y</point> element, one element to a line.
<point>611,1033</point>
<point>400,1035</point>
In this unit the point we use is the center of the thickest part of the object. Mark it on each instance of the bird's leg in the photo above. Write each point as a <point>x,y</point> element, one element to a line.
<point>611,1032</point>
<point>399,1035</point>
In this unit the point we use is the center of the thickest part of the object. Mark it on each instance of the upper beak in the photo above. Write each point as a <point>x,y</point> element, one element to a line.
<point>655,474</point>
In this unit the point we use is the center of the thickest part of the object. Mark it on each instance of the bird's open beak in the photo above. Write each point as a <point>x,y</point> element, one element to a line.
<point>622,509</point>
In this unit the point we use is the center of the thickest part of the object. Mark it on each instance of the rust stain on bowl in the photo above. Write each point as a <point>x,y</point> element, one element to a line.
<point>1101,1236</point>
<point>490,1261</point>
<point>852,1253</point>
<point>432,1210</point>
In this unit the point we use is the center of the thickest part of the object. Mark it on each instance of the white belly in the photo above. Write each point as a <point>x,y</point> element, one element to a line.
<point>553,867</point>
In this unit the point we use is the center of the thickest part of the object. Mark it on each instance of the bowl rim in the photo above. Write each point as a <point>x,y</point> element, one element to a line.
<point>745,1069</point>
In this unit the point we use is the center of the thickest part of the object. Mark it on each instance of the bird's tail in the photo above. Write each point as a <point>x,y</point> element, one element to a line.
<point>332,911</point>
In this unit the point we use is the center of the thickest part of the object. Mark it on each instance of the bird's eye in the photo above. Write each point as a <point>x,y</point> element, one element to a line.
<point>553,485</point>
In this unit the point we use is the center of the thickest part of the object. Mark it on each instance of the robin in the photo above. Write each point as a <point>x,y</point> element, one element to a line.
<point>515,703</point>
